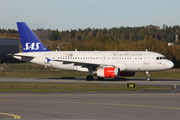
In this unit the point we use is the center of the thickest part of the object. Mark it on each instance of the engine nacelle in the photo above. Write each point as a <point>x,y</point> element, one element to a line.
<point>126,73</point>
<point>107,72</point>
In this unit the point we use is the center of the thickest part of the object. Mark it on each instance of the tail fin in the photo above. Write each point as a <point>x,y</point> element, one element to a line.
<point>29,41</point>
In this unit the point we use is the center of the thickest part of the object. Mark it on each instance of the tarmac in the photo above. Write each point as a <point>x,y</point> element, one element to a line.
<point>164,105</point>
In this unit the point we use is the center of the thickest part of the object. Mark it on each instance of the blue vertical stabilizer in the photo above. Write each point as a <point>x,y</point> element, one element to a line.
<point>29,41</point>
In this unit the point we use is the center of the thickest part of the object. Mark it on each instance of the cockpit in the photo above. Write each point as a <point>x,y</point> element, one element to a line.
<point>161,58</point>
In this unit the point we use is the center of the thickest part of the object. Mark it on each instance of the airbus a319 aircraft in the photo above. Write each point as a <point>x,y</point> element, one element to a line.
<point>103,64</point>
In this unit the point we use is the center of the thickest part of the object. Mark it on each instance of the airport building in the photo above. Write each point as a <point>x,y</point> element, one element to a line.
<point>8,46</point>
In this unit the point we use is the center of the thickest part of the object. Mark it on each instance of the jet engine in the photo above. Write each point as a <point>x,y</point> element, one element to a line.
<point>107,72</point>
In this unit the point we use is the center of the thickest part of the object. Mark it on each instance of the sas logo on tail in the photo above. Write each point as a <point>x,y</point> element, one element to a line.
<point>32,46</point>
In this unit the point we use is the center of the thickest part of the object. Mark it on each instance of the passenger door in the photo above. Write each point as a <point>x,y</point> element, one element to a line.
<point>146,59</point>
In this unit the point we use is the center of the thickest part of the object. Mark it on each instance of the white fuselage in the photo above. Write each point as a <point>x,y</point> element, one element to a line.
<point>125,60</point>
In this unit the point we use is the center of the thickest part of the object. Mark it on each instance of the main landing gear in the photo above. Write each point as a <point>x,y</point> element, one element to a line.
<point>89,78</point>
<point>148,76</point>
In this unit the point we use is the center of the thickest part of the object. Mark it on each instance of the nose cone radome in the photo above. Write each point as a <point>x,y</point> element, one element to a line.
<point>170,64</point>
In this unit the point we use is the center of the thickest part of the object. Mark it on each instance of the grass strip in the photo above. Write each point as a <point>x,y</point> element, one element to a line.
<point>60,74</point>
<point>58,87</point>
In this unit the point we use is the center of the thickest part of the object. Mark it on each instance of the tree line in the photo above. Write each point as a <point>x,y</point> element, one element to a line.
<point>2,30</point>
<point>130,33</point>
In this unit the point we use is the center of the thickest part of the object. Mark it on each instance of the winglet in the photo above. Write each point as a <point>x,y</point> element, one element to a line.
<point>29,41</point>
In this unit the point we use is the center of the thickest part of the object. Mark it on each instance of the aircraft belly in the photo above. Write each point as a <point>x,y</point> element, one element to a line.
<point>59,65</point>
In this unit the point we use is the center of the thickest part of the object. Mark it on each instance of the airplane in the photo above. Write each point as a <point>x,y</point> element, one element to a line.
<point>103,64</point>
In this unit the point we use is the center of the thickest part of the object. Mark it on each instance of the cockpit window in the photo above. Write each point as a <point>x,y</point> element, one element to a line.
<point>160,58</point>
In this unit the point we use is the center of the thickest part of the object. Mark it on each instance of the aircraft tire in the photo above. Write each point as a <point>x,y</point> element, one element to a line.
<point>148,79</point>
<point>89,78</point>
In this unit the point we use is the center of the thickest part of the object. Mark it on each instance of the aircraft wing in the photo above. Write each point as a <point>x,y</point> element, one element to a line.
<point>77,63</point>
<point>90,65</point>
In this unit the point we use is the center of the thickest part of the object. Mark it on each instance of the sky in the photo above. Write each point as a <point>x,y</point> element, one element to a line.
<point>75,14</point>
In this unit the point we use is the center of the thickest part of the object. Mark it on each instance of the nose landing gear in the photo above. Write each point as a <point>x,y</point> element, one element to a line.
<point>148,76</point>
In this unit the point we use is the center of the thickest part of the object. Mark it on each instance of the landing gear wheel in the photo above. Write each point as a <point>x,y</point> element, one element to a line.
<point>100,78</point>
<point>89,78</point>
<point>148,79</point>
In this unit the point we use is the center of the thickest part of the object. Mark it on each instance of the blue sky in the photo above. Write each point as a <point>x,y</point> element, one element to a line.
<point>75,14</point>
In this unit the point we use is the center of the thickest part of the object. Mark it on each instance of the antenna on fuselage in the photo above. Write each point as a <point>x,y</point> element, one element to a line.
<point>146,50</point>
<point>76,50</point>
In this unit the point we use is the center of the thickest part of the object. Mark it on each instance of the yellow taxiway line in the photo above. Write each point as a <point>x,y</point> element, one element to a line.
<point>15,116</point>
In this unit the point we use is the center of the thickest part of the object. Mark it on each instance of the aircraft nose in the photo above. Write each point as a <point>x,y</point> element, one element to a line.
<point>170,64</point>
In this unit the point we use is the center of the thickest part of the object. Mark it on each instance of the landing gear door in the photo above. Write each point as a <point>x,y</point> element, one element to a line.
<point>146,59</point>
<point>47,55</point>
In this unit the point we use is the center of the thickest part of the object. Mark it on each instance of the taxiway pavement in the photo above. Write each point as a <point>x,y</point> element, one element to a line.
<point>151,106</point>
<point>92,106</point>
